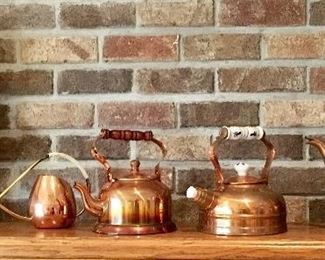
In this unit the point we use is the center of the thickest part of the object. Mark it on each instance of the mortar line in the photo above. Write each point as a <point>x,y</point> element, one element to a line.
<point>96,117</point>
<point>18,52</point>
<point>261,113</point>
<point>178,115</point>
<point>216,7</point>
<point>152,31</point>
<point>164,98</point>
<point>171,65</point>
<point>55,82</point>
<point>308,5</point>
<point>308,87</point>
<point>216,86</point>
<point>180,165</point>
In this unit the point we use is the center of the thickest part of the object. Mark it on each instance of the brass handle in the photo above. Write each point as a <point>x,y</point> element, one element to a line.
<point>227,133</point>
<point>126,135</point>
<point>62,155</point>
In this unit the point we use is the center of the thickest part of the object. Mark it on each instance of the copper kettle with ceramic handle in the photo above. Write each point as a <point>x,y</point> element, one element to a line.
<point>242,204</point>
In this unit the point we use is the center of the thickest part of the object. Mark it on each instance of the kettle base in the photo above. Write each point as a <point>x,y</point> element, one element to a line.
<point>244,226</point>
<point>112,230</point>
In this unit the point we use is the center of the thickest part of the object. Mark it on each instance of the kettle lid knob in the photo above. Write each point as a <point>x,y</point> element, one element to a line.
<point>241,168</point>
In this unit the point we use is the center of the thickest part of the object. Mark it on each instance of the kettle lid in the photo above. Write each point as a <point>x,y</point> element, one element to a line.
<point>243,176</point>
<point>136,174</point>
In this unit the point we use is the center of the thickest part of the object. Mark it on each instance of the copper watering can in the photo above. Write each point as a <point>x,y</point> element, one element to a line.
<point>136,204</point>
<point>51,202</point>
<point>242,204</point>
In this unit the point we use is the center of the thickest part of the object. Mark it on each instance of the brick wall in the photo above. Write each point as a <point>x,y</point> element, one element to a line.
<point>181,68</point>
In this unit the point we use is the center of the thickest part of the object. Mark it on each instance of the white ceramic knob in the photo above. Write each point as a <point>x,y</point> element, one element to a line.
<point>191,192</point>
<point>241,168</point>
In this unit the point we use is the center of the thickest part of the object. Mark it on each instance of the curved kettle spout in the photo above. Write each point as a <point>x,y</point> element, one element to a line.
<point>204,198</point>
<point>91,205</point>
<point>318,144</point>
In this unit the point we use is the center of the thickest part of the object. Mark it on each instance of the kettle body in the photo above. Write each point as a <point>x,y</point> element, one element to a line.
<point>52,203</point>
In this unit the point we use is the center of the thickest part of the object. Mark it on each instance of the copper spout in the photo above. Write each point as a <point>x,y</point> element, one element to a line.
<point>91,205</point>
<point>204,198</point>
<point>318,144</point>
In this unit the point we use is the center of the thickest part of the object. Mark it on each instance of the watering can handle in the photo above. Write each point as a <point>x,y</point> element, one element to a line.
<point>126,135</point>
<point>62,155</point>
<point>235,133</point>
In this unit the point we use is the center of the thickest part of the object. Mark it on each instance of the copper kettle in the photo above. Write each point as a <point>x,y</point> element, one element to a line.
<point>51,202</point>
<point>135,204</point>
<point>242,204</point>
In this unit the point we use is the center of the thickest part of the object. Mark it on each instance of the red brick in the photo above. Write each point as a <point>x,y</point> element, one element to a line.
<point>219,114</point>
<point>93,81</point>
<point>55,115</point>
<point>317,80</point>
<point>175,13</point>
<point>179,148</point>
<point>297,181</point>
<point>295,46</point>
<point>182,80</point>
<point>137,115</point>
<point>296,209</point>
<point>26,82</point>
<point>317,211</point>
<point>26,16</point>
<point>26,147</point>
<point>79,147</point>
<point>262,79</point>
<point>185,213</point>
<point>4,178</point>
<point>262,12</point>
<point>222,47</point>
<point>93,15</point>
<point>288,147</point>
<point>4,118</point>
<point>295,113</point>
<point>7,51</point>
<point>59,50</point>
<point>141,48</point>
<point>317,13</point>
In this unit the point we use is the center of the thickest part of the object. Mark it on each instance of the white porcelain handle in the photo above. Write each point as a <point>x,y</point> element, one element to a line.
<point>247,132</point>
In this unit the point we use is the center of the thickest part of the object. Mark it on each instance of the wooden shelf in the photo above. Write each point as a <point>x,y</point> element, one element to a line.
<point>22,240</point>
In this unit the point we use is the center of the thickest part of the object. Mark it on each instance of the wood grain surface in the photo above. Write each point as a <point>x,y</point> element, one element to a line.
<point>22,240</point>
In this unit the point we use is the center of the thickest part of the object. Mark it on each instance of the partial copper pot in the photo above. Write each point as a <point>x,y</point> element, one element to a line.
<point>138,203</point>
<point>242,204</point>
<point>51,202</point>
